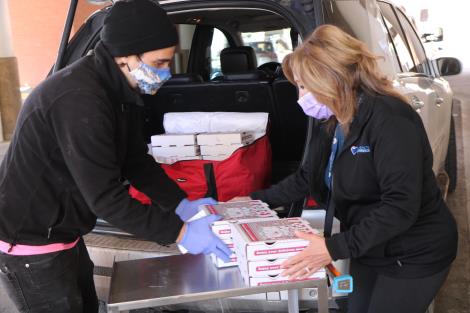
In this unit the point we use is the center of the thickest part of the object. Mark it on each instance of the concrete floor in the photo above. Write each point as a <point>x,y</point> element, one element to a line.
<point>454,297</point>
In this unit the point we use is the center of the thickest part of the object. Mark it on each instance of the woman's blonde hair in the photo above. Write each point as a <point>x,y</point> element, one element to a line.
<point>334,66</point>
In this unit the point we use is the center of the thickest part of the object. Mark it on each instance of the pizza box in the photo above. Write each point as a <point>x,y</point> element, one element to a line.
<point>270,239</point>
<point>230,244</point>
<point>173,140</point>
<point>265,268</point>
<point>215,157</point>
<point>261,268</point>
<point>173,159</point>
<point>278,279</point>
<point>181,151</point>
<point>219,263</point>
<point>220,149</point>
<point>261,280</point>
<point>212,139</point>
<point>237,212</point>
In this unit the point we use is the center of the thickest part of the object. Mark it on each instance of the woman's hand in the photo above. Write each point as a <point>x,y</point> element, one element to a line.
<point>237,199</point>
<point>310,260</point>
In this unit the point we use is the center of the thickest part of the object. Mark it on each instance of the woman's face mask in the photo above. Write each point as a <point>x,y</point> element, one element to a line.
<point>149,79</point>
<point>312,107</point>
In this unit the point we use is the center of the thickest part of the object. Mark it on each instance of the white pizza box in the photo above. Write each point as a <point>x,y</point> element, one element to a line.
<point>220,149</point>
<point>236,212</point>
<point>173,159</point>
<point>173,140</point>
<point>270,239</point>
<point>271,270</point>
<point>278,279</point>
<point>224,138</point>
<point>181,151</point>
<point>265,268</point>
<point>219,263</point>
<point>229,243</point>
<point>260,280</point>
<point>261,268</point>
<point>224,230</point>
<point>215,157</point>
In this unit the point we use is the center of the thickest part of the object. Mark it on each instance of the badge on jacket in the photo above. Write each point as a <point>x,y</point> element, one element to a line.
<point>359,149</point>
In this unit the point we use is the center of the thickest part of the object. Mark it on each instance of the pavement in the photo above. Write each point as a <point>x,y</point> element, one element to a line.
<point>454,297</point>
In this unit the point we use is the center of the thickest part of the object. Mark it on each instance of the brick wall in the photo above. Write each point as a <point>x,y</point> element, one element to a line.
<point>37,30</point>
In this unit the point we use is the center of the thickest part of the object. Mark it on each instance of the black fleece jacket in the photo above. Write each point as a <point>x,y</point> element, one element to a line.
<point>391,209</point>
<point>78,138</point>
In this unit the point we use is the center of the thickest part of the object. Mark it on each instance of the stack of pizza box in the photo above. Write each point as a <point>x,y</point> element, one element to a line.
<point>233,213</point>
<point>262,246</point>
<point>219,146</point>
<point>170,148</point>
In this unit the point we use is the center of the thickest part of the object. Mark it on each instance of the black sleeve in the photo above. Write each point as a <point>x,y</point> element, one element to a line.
<point>144,173</point>
<point>398,159</point>
<point>292,188</point>
<point>84,127</point>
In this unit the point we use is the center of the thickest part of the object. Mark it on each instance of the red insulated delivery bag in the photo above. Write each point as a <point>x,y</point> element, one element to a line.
<point>248,169</point>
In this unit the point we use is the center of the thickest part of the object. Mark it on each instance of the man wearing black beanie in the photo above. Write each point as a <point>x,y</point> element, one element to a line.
<point>78,138</point>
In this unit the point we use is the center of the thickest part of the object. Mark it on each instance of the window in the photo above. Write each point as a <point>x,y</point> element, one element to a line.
<point>183,49</point>
<point>269,46</point>
<point>219,42</point>
<point>398,38</point>
<point>417,50</point>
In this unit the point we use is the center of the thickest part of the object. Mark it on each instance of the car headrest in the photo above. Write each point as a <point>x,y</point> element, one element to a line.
<point>186,78</point>
<point>238,59</point>
<point>251,75</point>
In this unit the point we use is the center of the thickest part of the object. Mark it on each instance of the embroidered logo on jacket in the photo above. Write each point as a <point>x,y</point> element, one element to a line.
<point>359,149</point>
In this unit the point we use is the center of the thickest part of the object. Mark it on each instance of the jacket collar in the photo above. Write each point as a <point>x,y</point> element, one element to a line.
<point>116,83</point>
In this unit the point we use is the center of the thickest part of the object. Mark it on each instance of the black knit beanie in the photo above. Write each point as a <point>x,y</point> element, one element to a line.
<point>136,26</point>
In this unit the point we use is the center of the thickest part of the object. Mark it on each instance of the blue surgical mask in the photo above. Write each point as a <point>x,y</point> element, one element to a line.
<point>150,79</point>
<point>312,107</point>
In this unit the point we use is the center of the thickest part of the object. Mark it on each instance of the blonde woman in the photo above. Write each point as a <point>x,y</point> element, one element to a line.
<point>371,163</point>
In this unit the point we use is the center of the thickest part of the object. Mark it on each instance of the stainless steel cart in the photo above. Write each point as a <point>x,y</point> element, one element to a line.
<point>155,282</point>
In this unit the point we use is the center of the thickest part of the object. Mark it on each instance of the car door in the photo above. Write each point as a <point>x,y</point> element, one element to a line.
<point>428,94</point>
<point>440,109</point>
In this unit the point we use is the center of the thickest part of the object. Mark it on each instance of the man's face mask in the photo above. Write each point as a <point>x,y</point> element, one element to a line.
<point>312,107</point>
<point>150,79</point>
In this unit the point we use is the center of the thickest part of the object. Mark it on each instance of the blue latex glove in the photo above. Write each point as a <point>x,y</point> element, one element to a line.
<point>199,238</point>
<point>187,209</point>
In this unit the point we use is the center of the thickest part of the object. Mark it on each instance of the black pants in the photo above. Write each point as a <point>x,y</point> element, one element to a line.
<point>53,282</point>
<point>374,293</point>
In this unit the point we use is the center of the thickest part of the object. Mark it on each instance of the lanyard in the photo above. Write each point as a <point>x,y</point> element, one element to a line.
<point>330,211</point>
<point>335,147</point>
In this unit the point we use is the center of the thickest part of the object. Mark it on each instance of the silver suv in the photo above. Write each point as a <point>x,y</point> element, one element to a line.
<point>218,26</point>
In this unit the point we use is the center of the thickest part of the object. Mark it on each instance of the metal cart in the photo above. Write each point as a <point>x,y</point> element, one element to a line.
<point>155,282</point>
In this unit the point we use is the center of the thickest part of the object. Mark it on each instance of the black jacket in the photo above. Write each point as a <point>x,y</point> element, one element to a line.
<point>78,138</point>
<point>386,195</point>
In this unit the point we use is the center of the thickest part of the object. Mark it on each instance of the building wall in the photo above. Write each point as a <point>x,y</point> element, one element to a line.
<point>36,33</point>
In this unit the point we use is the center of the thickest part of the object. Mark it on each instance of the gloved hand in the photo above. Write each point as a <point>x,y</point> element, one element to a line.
<point>199,238</point>
<point>187,209</point>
